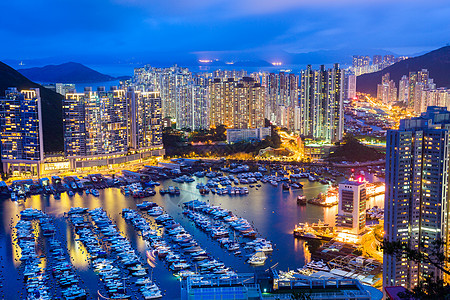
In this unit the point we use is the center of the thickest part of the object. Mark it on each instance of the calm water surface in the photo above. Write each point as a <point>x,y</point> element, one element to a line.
<point>273,212</point>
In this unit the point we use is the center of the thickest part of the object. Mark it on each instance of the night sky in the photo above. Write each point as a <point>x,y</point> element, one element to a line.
<point>228,29</point>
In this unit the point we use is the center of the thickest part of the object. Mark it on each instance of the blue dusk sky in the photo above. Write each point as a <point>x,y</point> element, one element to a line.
<point>125,30</point>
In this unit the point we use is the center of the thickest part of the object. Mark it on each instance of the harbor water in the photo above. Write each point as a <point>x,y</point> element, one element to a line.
<point>272,212</point>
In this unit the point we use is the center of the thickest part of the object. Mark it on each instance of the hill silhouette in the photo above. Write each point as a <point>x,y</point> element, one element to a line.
<point>353,150</point>
<point>437,62</point>
<point>70,72</point>
<point>51,104</point>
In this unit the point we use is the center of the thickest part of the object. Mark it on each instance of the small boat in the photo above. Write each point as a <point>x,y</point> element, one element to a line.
<point>301,200</point>
<point>296,185</point>
<point>312,178</point>
<point>258,259</point>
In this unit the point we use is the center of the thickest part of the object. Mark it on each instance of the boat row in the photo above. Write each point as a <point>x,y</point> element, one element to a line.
<point>176,246</point>
<point>375,213</point>
<point>229,190</point>
<point>151,208</point>
<point>63,271</point>
<point>240,225</point>
<point>34,274</point>
<point>104,265</point>
<point>170,190</point>
<point>137,191</point>
<point>218,221</point>
<point>125,253</point>
<point>182,179</point>
<point>215,229</point>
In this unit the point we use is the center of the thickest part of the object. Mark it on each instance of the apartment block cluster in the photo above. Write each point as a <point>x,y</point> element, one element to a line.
<point>105,128</point>
<point>101,128</point>
<point>111,127</point>
<point>362,63</point>
<point>309,103</point>
<point>417,90</point>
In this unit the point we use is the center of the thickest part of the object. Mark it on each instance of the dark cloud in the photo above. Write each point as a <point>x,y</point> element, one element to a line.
<point>48,28</point>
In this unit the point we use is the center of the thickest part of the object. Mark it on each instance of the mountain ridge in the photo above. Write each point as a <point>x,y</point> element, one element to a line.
<point>70,72</point>
<point>437,62</point>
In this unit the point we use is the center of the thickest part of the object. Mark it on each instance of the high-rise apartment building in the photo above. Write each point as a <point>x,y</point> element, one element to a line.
<point>282,92</point>
<point>350,86</point>
<point>416,200</point>
<point>386,91</point>
<point>95,122</point>
<point>360,60</point>
<point>236,104</point>
<point>412,85</point>
<point>388,59</point>
<point>74,125</point>
<point>422,91</point>
<point>377,59</point>
<point>321,103</point>
<point>184,96</point>
<point>403,89</point>
<point>21,138</point>
<point>193,110</point>
<point>144,126</point>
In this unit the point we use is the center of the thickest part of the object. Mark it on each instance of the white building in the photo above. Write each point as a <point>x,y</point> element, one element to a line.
<point>351,217</point>
<point>350,86</point>
<point>236,135</point>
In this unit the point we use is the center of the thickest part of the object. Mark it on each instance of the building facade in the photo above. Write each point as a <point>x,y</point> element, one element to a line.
<point>386,91</point>
<point>321,103</point>
<point>351,215</point>
<point>184,95</point>
<point>21,137</point>
<point>236,104</point>
<point>416,199</point>
<point>237,135</point>
<point>111,127</point>
<point>282,91</point>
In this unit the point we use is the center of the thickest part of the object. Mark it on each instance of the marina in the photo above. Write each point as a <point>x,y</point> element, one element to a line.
<point>160,239</point>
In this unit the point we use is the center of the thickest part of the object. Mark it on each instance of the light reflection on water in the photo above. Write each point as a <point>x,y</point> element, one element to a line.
<point>273,212</point>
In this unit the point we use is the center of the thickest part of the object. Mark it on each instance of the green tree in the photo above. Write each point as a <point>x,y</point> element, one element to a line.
<point>219,133</point>
<point>431,287</point>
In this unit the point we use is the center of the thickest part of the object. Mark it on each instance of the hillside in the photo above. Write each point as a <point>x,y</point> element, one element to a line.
<point>51,106</point>
<point>437,62</point>
<point>353,150</point>
<point>65,73</point>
